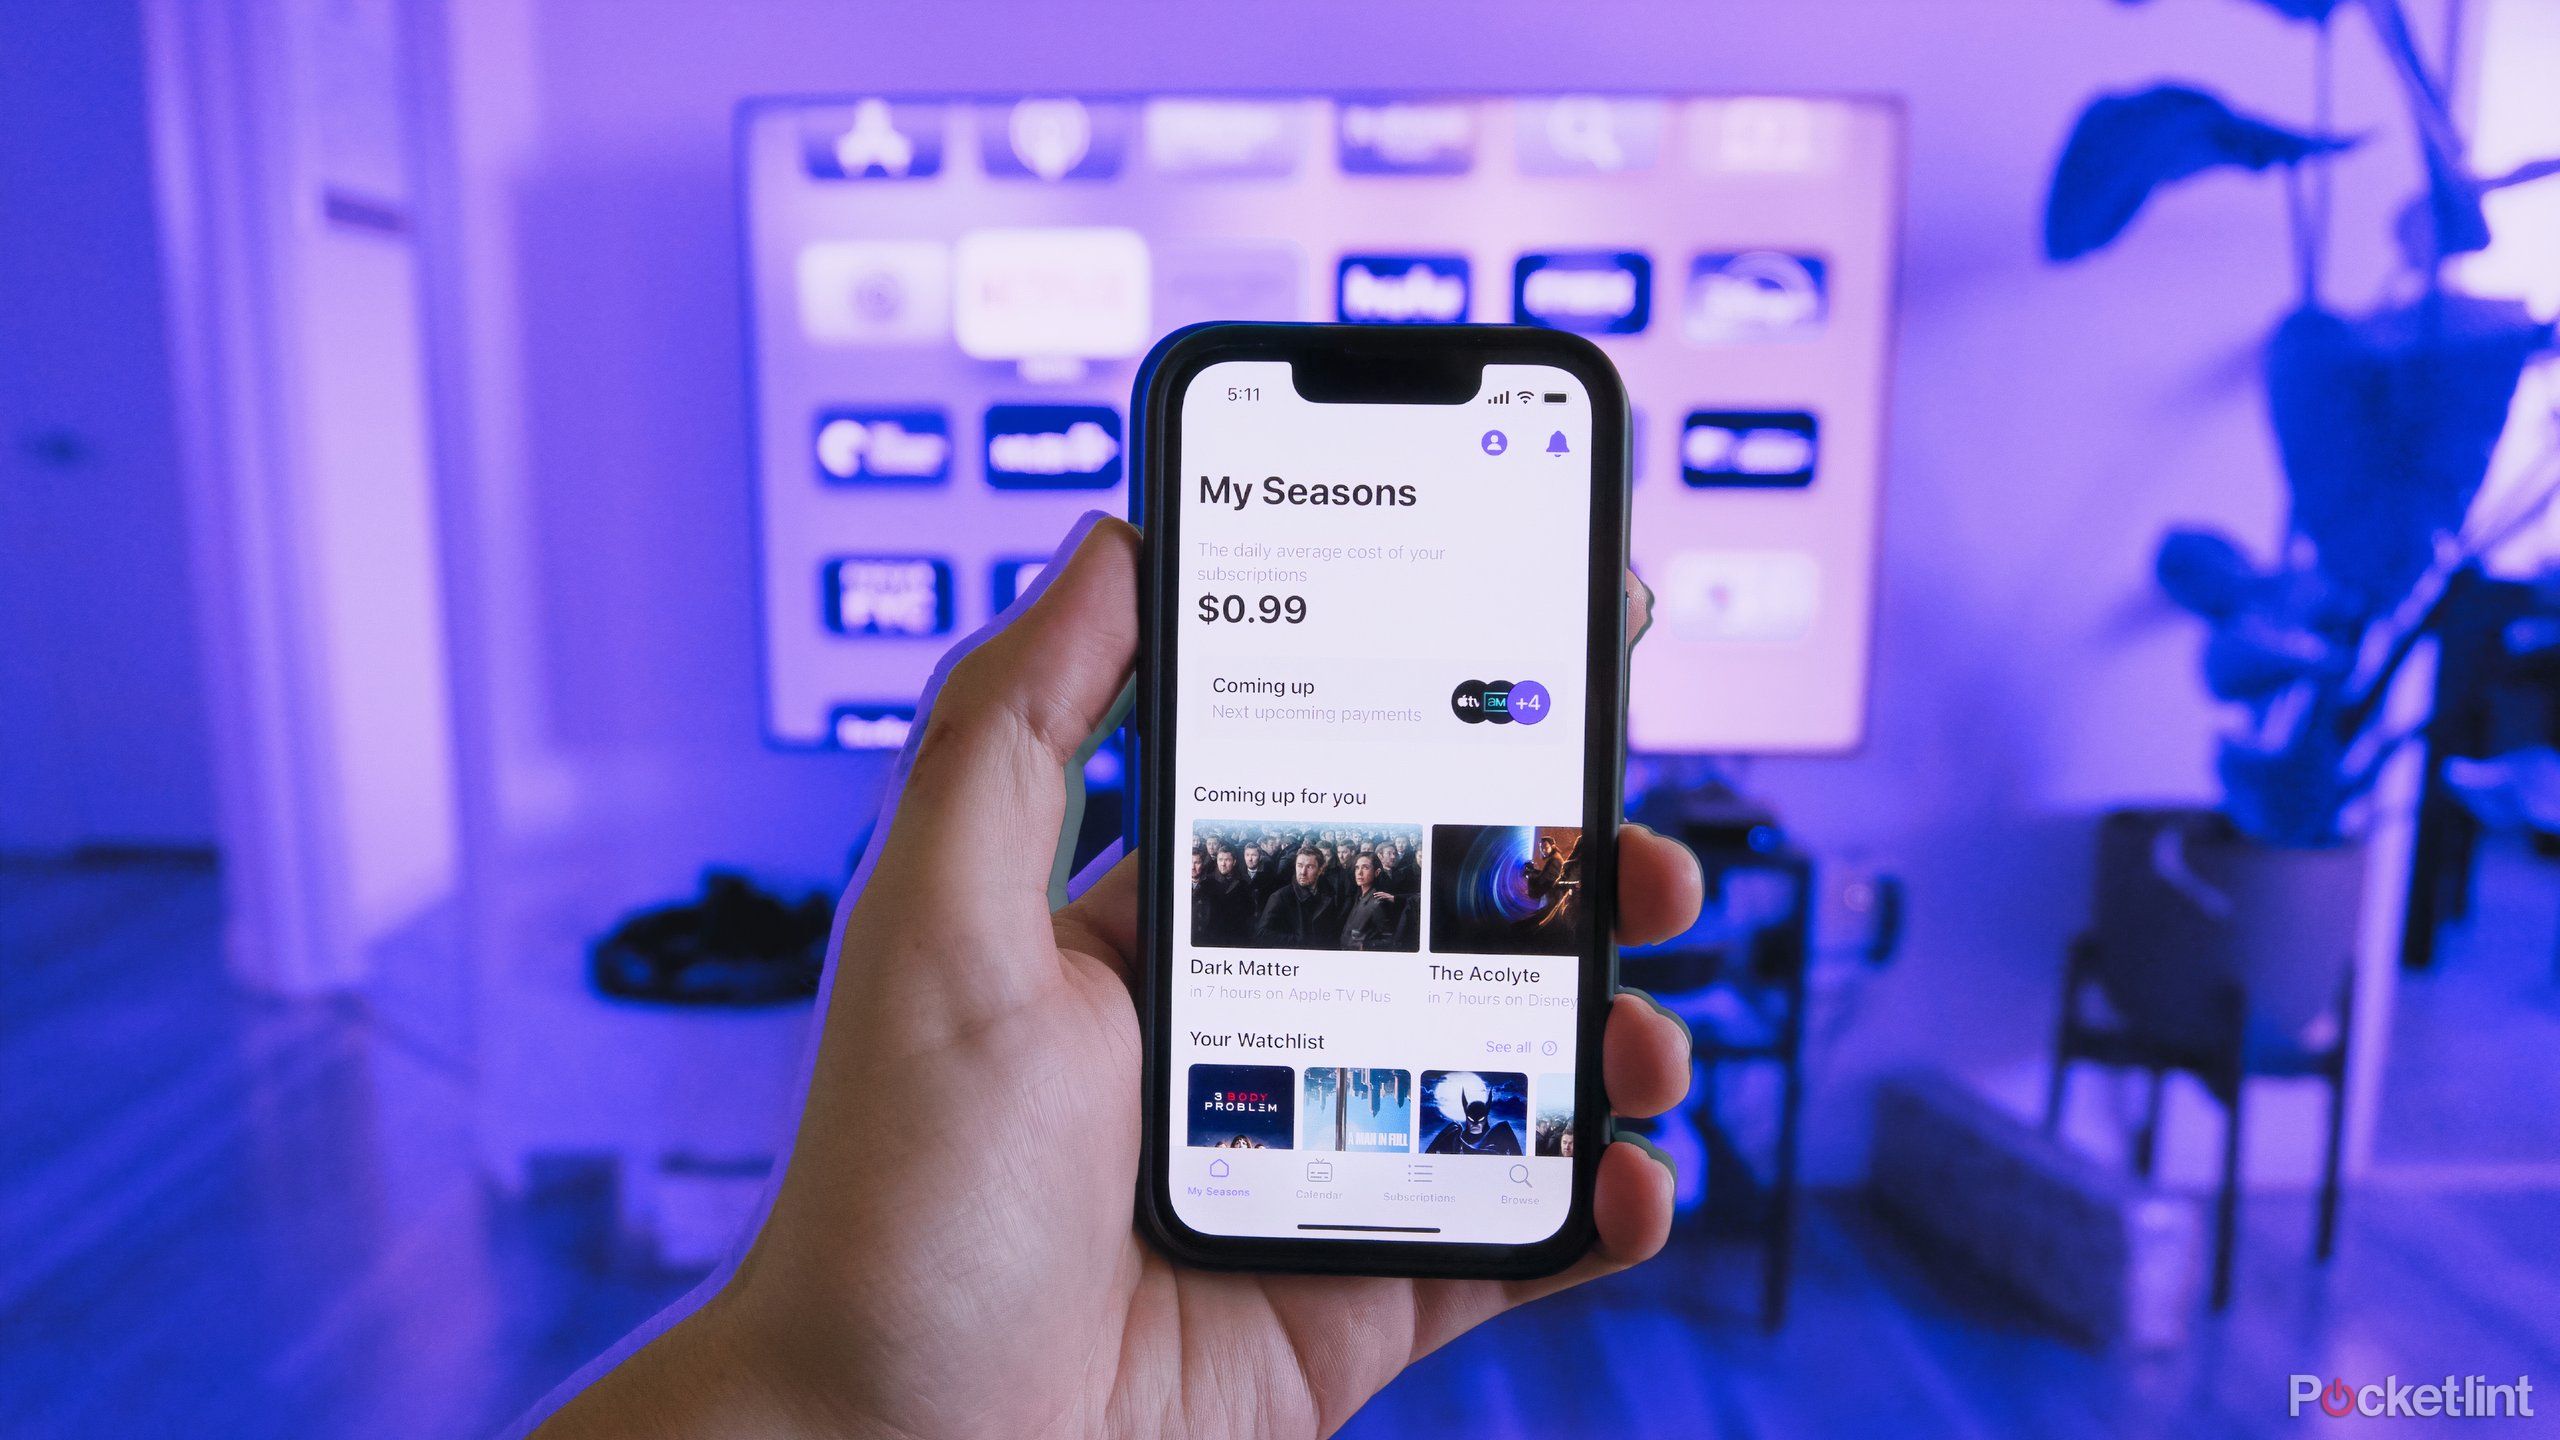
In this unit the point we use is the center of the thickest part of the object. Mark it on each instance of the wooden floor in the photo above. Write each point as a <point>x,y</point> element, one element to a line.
<point>223,1217</point>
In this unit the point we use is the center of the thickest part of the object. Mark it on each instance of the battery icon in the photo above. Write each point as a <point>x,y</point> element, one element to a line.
<point>1555,398</point>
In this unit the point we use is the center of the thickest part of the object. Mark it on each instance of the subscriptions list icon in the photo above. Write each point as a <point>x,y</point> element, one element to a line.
<point>1501,702</point>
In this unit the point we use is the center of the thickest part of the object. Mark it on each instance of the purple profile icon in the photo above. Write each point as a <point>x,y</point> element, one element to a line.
<point>1529,702</point>
<point>1495,442</point>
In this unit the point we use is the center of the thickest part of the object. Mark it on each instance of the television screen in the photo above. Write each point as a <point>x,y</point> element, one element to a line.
<point>950,296</point>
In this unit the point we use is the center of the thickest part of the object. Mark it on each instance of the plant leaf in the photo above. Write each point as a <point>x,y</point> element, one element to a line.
<point>2519,790</point>
<point>2416,225</point>
<point>2385,423</point>
<point>2291,9</point>
<point>2252,658</point>
<point>2205,573</point>
<point>2457,224</point>
<point>2125,146</point>
<point>2524,174</point>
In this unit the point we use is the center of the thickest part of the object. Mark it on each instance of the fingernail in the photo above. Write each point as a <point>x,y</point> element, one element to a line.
<point>1078,535</point>
<point>1660,1156</point>
<point>1665,1011</point>
<point>1079,538</point>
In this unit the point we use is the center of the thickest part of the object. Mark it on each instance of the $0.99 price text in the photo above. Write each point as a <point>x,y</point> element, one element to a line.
<point>1253,610</point>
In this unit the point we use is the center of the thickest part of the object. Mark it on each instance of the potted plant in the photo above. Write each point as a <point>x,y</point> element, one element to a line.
<point>2384,423</point>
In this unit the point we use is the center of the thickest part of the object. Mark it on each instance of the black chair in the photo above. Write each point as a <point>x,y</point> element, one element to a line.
<point>1738,978</point>
<point>2497,688</point>
<point>1740,987</point>
<point>2228,963</point>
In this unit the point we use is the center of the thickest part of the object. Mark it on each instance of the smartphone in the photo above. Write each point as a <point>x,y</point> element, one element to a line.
<point>1378,748</point>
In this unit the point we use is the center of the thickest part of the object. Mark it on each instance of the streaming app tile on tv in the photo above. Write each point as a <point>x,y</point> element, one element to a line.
<point>873,140</point>
<point>1010,578</point>
<point>1054,138</point>
<point>1406,137</point>
<point>1594,292</point>
<point>1739,297</point>
<point>1746,596</point>
<point>883,447</point>
<point>1198,280</point>
<point>875,292</point>
<point>1587,134</point>
<point>1773,135</point>
<point>1401,289</point>
<point>890,596</point>
<point>1748,449</point>
<point>1051,292</point>
<point>870,727</point>
<point>1226,139</point>
<point>1053,447</point>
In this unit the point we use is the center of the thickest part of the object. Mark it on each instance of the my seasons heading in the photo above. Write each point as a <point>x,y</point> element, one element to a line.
<point>1224,490</point>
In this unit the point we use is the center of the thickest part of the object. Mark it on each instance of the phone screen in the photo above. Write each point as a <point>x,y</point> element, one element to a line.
<point>1382,617</point>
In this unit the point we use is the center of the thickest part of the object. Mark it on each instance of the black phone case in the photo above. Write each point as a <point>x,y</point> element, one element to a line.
<point>1385,364</point>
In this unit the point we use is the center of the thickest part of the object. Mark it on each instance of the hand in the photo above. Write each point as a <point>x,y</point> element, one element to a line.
<point>951,1251</point>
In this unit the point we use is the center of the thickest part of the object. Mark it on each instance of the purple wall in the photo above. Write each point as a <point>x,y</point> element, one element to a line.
<point>2046,425</point>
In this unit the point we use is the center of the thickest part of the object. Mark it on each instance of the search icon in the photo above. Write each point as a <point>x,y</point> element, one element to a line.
<point>1519,1174</point>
